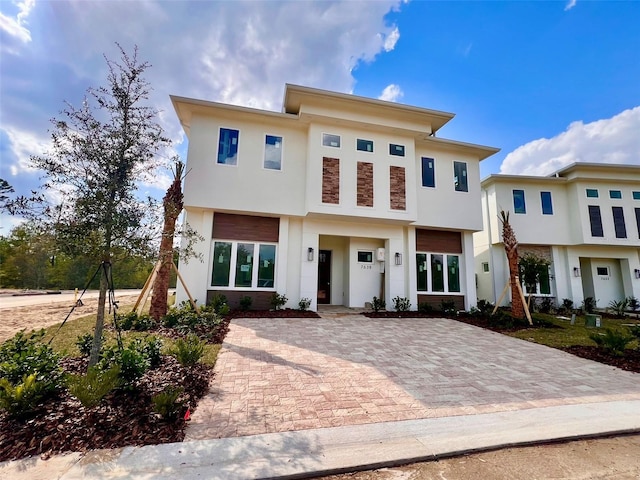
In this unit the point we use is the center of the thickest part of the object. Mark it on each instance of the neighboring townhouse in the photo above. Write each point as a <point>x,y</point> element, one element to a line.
<point>337,199</point>
<point>584,219</point>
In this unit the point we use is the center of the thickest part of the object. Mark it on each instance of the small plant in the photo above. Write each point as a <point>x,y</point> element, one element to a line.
<point>618,308</point>
<point>188,351</point>
<point>135,359</point>
<point>304,304</point>
<point>589,304</point>
<point>125,321</point>
<point>567,305</point>
<point>425,307</point>
<point>245,302</point>
<point>448,307</point>
<point>633,303</point>
<point>378,304</point>
<point>474,312</point>
<point>143,323</point>
<point>635,331</point>
<point>485,307</point>
<point>612,342</point>
<point>85,342</point>
<point>278,301</point>
<point>401,304</point>
<point>168,403</point>
<point>19,399</point>
<point>219,304</point>
<point>91,388</point>
<point>546,305</point>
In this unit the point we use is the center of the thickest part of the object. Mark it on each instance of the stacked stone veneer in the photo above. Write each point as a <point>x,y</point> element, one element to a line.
<point>365,184</point>
<point>330,180</point>
<point>397,190</point>
<point>541,251</point>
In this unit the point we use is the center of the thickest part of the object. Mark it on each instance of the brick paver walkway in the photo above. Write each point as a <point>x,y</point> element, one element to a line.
<point>275,375</point>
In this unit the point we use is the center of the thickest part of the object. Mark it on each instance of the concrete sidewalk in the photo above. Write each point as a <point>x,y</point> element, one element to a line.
<point>309,453</point>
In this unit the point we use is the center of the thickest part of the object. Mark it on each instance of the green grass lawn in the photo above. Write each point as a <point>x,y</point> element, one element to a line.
<point>568,334</point>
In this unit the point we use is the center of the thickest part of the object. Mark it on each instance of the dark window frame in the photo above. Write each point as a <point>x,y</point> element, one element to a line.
<point>546,205</point>
<point>396,150</point>
<point>595,219</point>
<point>227,149</point>
<point>361,145</point>
<point>619,224</point>
<point>428,180</point>
<point>460,176</point>
<point>519,196</point>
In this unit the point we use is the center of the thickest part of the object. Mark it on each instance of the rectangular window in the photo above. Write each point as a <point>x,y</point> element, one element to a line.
<point>273,152</point>
<point>460,176</point>
<point>545,200</point>
<point>267,266</point>
<point>221,264</point>
<point>365,257</point>
<point>437,275</point>
<point>228,146</point>
<point>518,202</point>
<point>592,193</point>
<point>428,172</point>
<point>618,222</point>
<point>397,150</point>
<point>329,140</point>
<point>602,271</point>
<point>615,194</point>
<point>485,267</point>
<point>364,145</point>
<point>244,265</point>
<point>545,284</point>
<point>596,221</point>
<point>453,273</point>
<point>421,271</point>
<point>636,195</point>
<point>638,220</point>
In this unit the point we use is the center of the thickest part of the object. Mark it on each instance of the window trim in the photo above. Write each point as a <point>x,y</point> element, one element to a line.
<point>393,148</point>
<point>358,149</point>
<point>635,195</point>
<point>322,138</point>
<point>607,274</point>
<point>233,265</point>
<point>264,152</point>
<point>220,128</point>
<point>592,193</point>
<point>366,252</point>
<point>615,194</point>
<point>445,273</point>
<point>433,170</point>
<point>516,209</point>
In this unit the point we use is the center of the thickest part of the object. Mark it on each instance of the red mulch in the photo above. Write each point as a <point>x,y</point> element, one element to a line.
<point>630,361</point>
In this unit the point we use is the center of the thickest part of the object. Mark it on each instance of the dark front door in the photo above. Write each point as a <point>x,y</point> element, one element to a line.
<point>324,277</point>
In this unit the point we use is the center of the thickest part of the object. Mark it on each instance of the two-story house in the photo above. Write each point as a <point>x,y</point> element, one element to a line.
<point>584,219</point>
<point>337,199</point>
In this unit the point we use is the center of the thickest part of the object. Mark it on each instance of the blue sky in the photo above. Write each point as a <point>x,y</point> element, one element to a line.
<point>548,82</point>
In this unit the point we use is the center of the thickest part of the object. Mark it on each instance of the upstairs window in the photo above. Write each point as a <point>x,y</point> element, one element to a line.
<point>330,140</point>
<point>364,145</point>
<point>273,152</point>
<point>518,202</point>
<point>618,222</point>
<point>545,200</point>
<point>636,195</point>
<point>616,194</point>
<point>592,193</point>
<point>428,172</point>
<point>228,146</point>
<point>637,210</point>
<point>397,150</point>
<point>460,176</point>
<point>596,221</point>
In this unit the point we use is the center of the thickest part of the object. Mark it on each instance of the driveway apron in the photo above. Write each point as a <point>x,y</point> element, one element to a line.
<point>277,375</point>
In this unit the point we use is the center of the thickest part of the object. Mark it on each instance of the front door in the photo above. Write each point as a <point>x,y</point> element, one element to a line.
<point>324,277</point>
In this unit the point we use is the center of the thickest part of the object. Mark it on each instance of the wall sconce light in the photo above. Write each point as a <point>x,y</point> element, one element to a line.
<point>637,272</point>
<point>576,272</point>
<point>398,258</point>
<point>310,254</point>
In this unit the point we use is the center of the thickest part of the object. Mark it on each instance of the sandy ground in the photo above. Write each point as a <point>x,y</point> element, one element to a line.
<point>34,317</point>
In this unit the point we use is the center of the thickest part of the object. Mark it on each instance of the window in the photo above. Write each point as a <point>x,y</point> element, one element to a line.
<point>329,140</point>
<point>397,150</point>
<point>460,176</point>
<point>638,220</point>
<point>592,193</point>
<point>636,195</point>
<point>596,221</point>
<point>518,202</point>
<point>433,276</point>
<point>602,271</point>
<point>543,285</point>
<point>273,152</point>
<point>618,222</point>
<point>545,200</point>
<point>252,264</point>
<point>615,194</point>
<point>485,267</point>
<point>428,172</point>
<point>228,146</point>
<point>364,145</point>
<point>365,257</point>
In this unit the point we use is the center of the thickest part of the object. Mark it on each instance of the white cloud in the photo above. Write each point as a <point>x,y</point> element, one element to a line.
<point>611,140</point>
<point>24,144</point>
<point>391,93</point>
<point>391,40</point>
<point>570,4</point>
<point>15,27</point>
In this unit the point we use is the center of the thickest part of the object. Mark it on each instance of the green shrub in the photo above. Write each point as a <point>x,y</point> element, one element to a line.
<point>278,301</point>
<point>567,305</point>
<point>378,304</point>
<point>134,359</point>
<point>85,343</point>
<point>425,307</point>
<point>125,321</point>
<point>504,320</point>
<point>22,356</point>
<point>304,304</point>
<point>589,304</point>
<point>19,399</point>
<point>401,304</point>
<point>633,303</point>
<point>91,388</point>
<point>188,351</point>
<point>618,308</point>
<point>546,305</point>
<point>219,304</point>
<point>448,307</point>
<point>612,342</point>
<point>245,302</point>
<point>151,348</point>
<point>144,323</point>
<point>168,403</point>
<point>485,307</point>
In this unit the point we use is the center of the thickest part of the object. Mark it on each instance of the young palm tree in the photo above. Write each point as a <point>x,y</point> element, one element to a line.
<point>511,248</point>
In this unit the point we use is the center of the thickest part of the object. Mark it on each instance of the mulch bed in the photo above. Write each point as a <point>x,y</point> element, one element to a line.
<point>630,361</point>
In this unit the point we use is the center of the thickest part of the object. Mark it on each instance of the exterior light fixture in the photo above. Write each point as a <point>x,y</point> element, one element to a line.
<point>310,254</point>
<point>398,258</point>
<point>576,272</point>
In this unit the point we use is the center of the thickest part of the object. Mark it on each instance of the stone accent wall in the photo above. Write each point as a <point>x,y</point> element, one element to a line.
<point>365,184</point>
<point>439,241</point>
<point>330,180</point>
<point>397,189</point>
<point>542,251</point>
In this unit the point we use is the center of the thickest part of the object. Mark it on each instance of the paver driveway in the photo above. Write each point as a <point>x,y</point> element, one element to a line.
<point>275,375</point>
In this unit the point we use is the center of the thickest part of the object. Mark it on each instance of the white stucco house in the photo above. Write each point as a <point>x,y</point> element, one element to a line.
<point>337,198</point>
<point>584,219</point>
